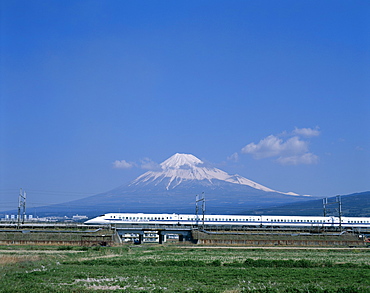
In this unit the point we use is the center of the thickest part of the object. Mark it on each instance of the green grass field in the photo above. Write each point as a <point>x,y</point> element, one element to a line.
<point>183,269</point>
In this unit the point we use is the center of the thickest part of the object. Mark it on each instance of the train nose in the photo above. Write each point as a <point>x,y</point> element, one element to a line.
<point>88,222</point>
<point>92,221</point>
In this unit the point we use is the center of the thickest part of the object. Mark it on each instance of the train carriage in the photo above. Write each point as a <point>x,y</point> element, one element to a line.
<point>231,220</point>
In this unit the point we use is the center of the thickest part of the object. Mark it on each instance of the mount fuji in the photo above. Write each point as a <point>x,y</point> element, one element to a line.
<point>185,168</point>
<point>172,188</point>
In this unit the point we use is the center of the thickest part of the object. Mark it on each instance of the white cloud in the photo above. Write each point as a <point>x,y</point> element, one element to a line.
<point>122,164</point>
<point>307,158</point>
<point>234,157</point>
<point>273,146</point>
<point>148,164</point>
<point>288,151</point>
<point>307,132</point>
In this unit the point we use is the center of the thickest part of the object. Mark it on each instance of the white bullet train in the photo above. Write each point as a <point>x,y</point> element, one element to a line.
<point>230,220</point>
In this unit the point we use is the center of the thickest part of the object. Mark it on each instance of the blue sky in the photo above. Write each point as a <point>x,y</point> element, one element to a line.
<point>93,93</point>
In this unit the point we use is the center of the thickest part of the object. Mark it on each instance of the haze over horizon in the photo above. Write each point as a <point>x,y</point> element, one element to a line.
<point>94,94</point>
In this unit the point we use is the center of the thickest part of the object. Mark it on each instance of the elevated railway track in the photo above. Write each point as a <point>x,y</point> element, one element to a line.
<point>117,234</point>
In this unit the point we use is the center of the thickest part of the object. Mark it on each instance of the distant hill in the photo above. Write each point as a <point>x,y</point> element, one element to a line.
<point>354,205</point>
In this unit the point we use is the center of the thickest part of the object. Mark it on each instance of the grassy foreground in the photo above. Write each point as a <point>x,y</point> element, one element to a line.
<point>183,269</point>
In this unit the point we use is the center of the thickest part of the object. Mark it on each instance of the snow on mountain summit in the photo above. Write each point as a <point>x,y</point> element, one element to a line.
<point>179,160</point>
<point>186,167</point>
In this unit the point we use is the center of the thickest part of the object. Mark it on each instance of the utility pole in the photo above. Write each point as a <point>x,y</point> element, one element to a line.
<point>339,210</point>
<point>203,200</point>
<point>324,203</point>
<point>339,201</point>
<point>21,206</point>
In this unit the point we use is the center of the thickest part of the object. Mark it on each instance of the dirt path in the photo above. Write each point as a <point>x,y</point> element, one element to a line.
<point>39,251</point>
<point>97,257</point>
<point>277,248</point>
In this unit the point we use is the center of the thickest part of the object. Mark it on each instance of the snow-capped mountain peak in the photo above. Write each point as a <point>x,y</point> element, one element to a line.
<point>185,167</point>
<point>179,160</point>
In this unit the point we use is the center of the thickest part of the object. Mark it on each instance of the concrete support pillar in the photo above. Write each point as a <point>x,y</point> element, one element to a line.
<point>160,237</point>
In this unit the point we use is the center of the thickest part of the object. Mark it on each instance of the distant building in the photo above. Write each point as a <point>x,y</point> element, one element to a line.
<point>79,218</point>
